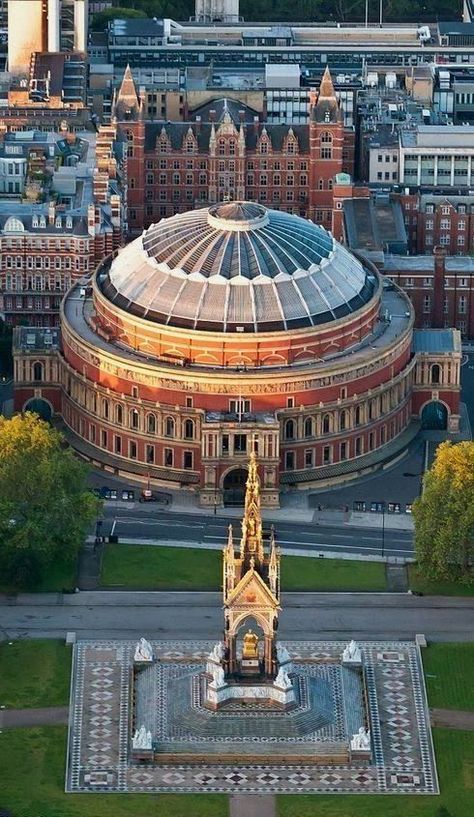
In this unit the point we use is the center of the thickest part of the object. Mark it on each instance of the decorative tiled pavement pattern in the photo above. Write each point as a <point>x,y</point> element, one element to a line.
<point>402,753</point>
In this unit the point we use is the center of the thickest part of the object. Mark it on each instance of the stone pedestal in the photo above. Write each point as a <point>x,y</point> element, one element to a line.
<point>250,666</point>
<point>252,693</point>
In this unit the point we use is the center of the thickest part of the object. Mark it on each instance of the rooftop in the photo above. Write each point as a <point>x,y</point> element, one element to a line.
<point>238,267</point>
<point>436,340</point>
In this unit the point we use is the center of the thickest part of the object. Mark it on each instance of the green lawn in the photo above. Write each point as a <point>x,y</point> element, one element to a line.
<point>60,576</point>
<point>429,587</point>
<point>32,775</point>
<point>449,673</point>
<point>455,757</point>
<point>304,573</point>
<point>34,673</point>
<point>161,568</point>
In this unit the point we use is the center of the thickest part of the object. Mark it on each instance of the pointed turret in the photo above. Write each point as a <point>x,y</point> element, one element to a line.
<point>229,564</point>
<point>327,108</point>
<point>274,566</point>
<point>127,103</point>
<point>326,89</point>
<point>251,543</point>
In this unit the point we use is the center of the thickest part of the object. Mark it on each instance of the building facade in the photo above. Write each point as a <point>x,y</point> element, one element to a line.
<point>174,167</point>
<point>440,287</point>
<point>232,328</point>
<point>44,25</point>
<point>45,246</point>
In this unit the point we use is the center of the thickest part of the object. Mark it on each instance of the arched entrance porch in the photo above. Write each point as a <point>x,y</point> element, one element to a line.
<point>434,416</point>
<point>40,407</point>
<point>233,487</point>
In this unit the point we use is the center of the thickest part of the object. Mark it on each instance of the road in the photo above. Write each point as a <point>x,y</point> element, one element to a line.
<point>154,523</point>
<point>170,616</point>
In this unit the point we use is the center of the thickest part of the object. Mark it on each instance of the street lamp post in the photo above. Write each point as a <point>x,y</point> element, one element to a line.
<point>383,529</point>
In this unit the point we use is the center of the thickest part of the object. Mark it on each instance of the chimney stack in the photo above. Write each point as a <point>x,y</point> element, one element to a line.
<point>438,289</point>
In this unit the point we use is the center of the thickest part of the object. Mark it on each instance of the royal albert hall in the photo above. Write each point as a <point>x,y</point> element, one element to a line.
<point>223,329</point>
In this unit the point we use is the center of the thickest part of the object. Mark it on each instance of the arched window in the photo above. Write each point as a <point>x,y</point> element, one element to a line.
<point>326,424</point>
<point>118,414</point>
<point>435,373</point>
<point>37,372</point>
<point>357,416</point>
<point>189,430</point>
<point>105,408</point>
<point>308,427</point>
<point>371,410</point>
<point>320,184</point>
<point>134,418</point>
<point>380,403</point>
<point>326,137</point>
<point>151,423</point>
<point>290,430</point>
<point>169,427</point>
<point>343,421</point>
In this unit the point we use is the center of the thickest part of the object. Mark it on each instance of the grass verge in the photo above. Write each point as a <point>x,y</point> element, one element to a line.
<point>34,673</point>
<point>429,587</point>
<point>60,576</point>
<point>171,568</point>
<point>449,673</point>
<point>32,764</point>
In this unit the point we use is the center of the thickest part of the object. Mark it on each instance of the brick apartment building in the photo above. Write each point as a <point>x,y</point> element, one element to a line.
<point>173,167</point>
<point>440,287</point>
<point>438,219</point>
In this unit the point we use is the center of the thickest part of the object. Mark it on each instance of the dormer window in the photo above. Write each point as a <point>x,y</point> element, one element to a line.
<point>290,148</point>
<point>42,222</point>
<point>34,221</point>
<point>263,147</point>
<point>59,221</point>
<point>69,223</point>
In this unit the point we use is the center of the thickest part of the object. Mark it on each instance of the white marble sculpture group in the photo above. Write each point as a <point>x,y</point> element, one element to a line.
<point>142,739</point>
<point>361,740</point>
<point>143,651</point>
<point>352,654</point>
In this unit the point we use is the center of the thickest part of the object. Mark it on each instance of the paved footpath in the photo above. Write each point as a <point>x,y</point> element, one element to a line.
<point>47,716</point>
<point>252,805</point>
<point>452,719</point>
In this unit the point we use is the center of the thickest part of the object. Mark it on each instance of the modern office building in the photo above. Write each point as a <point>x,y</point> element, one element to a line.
<point>44,25</point>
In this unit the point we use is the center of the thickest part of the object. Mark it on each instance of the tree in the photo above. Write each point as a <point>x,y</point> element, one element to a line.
<point>444,514</point>
<point>101,18</point>
<point>45,505</point>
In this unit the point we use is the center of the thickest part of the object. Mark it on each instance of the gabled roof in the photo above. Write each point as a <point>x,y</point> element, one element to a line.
<point>251,580</point>
<point>202,132</point>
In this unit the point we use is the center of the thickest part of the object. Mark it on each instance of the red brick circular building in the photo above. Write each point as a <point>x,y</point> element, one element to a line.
<point>235,326</point>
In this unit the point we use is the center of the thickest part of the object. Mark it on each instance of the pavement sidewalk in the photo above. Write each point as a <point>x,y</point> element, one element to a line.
<point>452,719</point>
<point>252,805</point>
<point>45,716</point>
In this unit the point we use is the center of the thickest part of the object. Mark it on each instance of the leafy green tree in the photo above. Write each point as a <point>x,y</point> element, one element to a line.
<point>46,508</point>
<point>444,514</point>
<point>101,18</point>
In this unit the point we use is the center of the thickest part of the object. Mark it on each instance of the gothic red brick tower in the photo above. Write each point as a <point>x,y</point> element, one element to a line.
<point>326,140</point>
<point>128,112</point>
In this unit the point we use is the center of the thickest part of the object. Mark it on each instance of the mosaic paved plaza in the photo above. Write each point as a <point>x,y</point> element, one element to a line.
<point>225,746</point>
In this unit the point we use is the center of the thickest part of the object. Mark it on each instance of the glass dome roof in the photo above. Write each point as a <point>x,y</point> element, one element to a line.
<point>238,266</point>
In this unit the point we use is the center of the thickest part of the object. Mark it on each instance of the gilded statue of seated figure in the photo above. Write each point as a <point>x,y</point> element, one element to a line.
<point>250,649</point>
